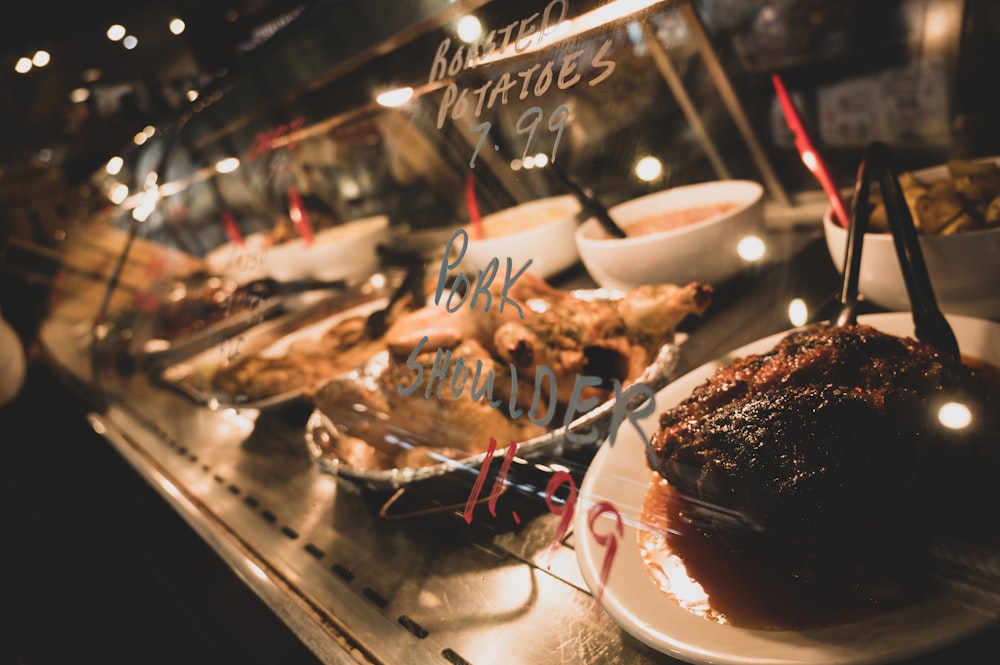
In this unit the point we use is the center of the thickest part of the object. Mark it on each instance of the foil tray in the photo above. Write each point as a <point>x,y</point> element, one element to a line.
<point>323,433</point>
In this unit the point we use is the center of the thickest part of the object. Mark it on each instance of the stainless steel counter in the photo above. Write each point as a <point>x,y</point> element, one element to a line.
<point>354,577</point>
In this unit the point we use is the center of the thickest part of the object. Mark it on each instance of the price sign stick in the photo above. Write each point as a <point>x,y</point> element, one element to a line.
<point>232,229</point>
<point>807,151</point>
<point>297,212</point>
<point>473,206</point>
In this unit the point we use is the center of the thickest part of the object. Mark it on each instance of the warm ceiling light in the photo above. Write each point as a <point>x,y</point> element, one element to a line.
<point>751,248</point>
<point>116,32</point>
<point>227,165</point>
<point>798,312</point>
<point>114,166</point>
<point>149,131</point>
<point>177,26</point>
<point>955,415</point>
<point>41,58</point>
<point>130,42</point>
<point>118,193</point>
<point>79,95</point>
<point>191,95</point>
<point>139,138</point>
<point>648,169</point>
<point>396,97</point>
<point>91,75</point>
<point>469,29</point>
<point>23,65</point>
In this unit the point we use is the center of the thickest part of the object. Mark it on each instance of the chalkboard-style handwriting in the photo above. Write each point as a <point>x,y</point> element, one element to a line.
<point>379,427</point>
<point>265,142</point>
<point>243,259</point>
<point>527,124</point>
<point>451,375</point>
<point>534,81</point>
<point>609,541</point>
<point>611,338</point>
<point>498,484</point>
<point>564,511</point>
<point>462,286</point>
<point>530,80</point>
<point>524,34</point>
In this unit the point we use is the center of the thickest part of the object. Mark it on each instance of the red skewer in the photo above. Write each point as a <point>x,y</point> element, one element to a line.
<point>297,212</point>
<point>473,206</point>
<point>810,156</point>
<point>232,229</point>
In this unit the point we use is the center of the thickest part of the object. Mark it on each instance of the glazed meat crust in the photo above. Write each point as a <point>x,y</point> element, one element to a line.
<point>825,452</point>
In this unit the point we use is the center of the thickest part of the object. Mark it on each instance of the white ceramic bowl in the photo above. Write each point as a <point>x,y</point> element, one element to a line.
<point>711,250</point>
<point>540,230</point>
<point>964,269</point>
<point>346,251</point>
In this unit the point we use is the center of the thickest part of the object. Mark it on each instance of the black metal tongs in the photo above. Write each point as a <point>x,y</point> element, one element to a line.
<point>589,204</point>
<point>930,325</point>
<point>377,322</point>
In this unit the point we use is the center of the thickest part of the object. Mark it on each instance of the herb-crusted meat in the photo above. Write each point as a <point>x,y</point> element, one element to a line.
<point>826,451</point>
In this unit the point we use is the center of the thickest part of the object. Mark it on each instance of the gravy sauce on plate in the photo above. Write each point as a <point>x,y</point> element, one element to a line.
<point>721,586</point>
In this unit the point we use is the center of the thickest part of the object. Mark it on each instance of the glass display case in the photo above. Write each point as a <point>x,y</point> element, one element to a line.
<point>359,313</point>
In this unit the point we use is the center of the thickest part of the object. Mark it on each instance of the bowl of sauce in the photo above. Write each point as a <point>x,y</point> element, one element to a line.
<point>706,232</point>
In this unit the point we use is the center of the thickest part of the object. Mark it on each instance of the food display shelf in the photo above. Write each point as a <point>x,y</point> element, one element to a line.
<point>365,576</point>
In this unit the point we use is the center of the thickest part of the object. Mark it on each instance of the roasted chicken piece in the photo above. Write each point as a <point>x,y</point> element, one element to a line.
<point>609,339</point>
<point>303,365</point>
<point>393,417</point>
<point>552,328</point>
<point>260,373</point>
<point>826,456</point>
<point>541,326</point>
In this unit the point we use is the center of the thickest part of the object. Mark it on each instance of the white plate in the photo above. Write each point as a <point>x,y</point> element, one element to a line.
<point>619,475</point>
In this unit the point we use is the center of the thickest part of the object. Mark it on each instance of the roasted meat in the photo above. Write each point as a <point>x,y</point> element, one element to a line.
<point>379,427</point>
<point>305,364</point>
<point>433,400</point>
<point>826,456</point>
<point>603,337</point>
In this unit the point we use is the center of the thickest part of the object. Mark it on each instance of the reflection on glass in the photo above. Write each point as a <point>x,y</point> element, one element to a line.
<point>227,165</point>
<point>955,415</point>
<point>397,97</point>
<point>114,165</point>
<point>798,313</point>
<point>751,248</point>
<point>118,193</point>
<point>648,169</point>
<point>469,29</point>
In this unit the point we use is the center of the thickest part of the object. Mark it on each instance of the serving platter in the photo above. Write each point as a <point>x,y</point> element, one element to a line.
<point>620,477</point>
